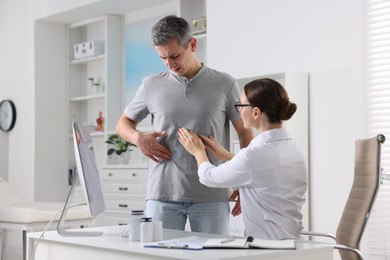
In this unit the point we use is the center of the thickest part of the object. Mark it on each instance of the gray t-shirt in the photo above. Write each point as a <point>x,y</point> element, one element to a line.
<point>205,104</point>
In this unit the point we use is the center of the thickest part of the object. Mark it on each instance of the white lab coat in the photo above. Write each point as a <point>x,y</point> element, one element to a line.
<point>271,174</point>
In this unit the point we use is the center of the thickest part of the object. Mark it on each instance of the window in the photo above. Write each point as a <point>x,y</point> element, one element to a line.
<point>376,61</point>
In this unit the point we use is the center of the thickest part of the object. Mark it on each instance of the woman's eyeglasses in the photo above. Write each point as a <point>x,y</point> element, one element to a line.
<point>239,106</point>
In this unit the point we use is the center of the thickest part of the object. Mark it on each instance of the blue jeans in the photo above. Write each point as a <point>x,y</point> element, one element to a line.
<point>203,216</point>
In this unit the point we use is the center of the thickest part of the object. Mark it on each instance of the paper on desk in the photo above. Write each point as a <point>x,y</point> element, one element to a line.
<point>193,242</point>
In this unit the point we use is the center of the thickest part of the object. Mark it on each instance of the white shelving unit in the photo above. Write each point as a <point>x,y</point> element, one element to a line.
<point>191,10</point>
<point>95,83</point>
<point>105,69</point>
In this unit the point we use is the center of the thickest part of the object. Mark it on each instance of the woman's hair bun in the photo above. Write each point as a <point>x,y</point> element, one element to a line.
<point>287,109</point>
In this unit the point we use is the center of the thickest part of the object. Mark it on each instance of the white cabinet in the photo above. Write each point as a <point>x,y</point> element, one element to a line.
<point>124,190</point>
<point>94,84</point>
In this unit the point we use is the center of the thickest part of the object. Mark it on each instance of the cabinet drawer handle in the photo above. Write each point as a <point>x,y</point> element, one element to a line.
<point>134,174</point>
<point>123,188</point>
<point>123,205</point>
<point>110,174</point>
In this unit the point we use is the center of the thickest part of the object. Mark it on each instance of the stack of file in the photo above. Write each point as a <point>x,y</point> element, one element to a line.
<point>198,243</point>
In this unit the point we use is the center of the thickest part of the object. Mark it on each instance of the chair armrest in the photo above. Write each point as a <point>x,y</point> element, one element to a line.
<point>334,245</point>
<point>317,234</point>
<point>348,248</point>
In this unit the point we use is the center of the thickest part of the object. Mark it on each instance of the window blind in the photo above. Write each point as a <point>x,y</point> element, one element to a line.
<point>376,61</point>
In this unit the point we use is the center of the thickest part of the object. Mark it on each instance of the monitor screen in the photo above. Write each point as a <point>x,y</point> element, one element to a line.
<point>87,169</point>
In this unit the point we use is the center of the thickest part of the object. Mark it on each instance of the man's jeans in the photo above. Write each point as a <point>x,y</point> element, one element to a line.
<point>203,216</point>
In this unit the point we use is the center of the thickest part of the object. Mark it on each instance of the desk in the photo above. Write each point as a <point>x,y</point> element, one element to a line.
<point>111,246</point>
<point>35,226</point>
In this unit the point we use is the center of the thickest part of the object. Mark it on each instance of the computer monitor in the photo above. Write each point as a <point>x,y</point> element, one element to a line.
<point>88,175</point>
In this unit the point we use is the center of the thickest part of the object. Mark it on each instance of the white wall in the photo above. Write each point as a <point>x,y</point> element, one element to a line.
<point>17,83</point>
<point>16,77</point>
<point>323,38</point>
<point>4,91</point>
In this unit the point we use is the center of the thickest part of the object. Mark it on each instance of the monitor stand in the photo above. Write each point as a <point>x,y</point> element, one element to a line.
<point>61,223</point>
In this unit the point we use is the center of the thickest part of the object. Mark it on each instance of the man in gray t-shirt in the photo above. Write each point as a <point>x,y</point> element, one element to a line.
<point>189,95</point>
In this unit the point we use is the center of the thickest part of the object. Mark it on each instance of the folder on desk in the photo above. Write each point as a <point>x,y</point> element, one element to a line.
<point>193,242</point>
<point>198,243</point>
<point>249,242</point>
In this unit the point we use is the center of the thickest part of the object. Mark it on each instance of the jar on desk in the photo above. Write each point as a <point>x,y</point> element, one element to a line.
<point>146,234</point>
<point>135,224</point>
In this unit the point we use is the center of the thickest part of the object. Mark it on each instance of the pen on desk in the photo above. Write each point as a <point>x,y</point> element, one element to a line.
<point>230,239</point>
<point>163,245</point>
<point>249,240</point>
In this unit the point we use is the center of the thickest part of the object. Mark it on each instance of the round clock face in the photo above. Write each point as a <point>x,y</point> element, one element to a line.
<point>7,115</point>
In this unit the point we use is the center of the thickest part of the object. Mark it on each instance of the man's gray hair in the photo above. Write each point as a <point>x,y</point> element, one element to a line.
<point>171,27</point>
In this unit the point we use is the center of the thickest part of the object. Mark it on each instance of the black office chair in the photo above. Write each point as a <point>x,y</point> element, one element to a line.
<point>367,179</point>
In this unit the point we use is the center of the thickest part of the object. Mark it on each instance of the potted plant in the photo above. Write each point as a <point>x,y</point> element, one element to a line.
<point>120,148</point>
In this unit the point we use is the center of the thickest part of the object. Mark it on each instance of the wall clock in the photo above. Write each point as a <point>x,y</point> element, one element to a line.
<point>7,115</point>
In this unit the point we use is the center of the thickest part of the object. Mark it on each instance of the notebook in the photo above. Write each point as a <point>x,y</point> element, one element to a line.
<point>198,243</point>
<point>249,242</point>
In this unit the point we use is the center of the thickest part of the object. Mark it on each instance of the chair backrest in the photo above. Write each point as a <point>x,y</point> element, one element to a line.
<point>367,178</point>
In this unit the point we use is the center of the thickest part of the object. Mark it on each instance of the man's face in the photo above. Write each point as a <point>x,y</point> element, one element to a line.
<point>178,59</point>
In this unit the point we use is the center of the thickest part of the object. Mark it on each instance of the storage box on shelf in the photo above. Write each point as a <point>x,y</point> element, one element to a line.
<point>124,189</point>
<point>88,49</point>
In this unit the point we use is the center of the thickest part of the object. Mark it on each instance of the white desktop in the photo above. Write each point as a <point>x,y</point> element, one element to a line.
<point>110,245</point>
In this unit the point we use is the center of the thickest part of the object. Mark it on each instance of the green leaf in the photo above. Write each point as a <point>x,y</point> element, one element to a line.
<point>120,145</point>
<point>110,151</point>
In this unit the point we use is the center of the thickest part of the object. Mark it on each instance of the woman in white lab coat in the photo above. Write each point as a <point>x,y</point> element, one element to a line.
<point>271,172</point>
